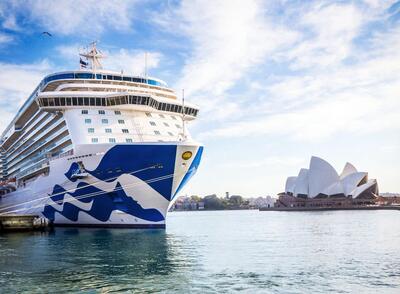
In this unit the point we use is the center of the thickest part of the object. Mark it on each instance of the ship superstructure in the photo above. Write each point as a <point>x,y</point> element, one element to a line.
<point>97,147</point>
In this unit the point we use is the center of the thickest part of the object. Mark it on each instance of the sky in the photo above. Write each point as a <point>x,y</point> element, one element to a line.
<point>276,81</point>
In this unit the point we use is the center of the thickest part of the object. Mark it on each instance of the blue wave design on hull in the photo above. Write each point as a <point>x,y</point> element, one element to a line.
<point>104,203</point>
<point>127,159</point>
<point>119,160</point>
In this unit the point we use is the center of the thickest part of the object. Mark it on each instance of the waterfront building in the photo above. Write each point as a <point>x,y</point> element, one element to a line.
<point>96,147</point>
<point>260,202</point>
<point>320,184</point>
<point>321,180</point>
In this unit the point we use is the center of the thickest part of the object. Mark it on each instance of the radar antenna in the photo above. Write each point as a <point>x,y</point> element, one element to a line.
<point>93,55</point>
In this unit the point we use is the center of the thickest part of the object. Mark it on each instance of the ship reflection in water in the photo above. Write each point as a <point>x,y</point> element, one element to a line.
<point>89,259</point>
<point>213,252</point>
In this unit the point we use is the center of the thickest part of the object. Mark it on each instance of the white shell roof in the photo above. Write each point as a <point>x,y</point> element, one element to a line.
<point>290,182</point>
<point>347,170</point>
<point>357,191</point>
<point>322,178</point>
<point>301,184</point>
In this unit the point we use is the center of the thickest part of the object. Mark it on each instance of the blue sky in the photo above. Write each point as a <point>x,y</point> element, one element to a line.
<point>277,81</point>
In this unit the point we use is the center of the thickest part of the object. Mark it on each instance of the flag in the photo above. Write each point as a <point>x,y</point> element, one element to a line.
<point>83,63</point>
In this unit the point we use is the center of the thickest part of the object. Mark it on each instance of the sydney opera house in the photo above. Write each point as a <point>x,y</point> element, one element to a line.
<point>320,184</point>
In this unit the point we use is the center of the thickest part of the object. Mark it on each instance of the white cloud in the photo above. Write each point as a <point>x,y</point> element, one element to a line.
<point>332,29</point>
<point>131,61</point>
<point>17,83</point>
<point>5,38</point>
<point>327,95</point>
<point>228,37</point>
<point>65,17</point>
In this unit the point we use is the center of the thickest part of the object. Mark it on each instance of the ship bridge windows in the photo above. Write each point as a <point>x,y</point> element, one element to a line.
<point>88,121</point>
<point>121,121</point>
<point>104,121</point>
<point>118,100</point>
<point>111,140</point>
<point>128,140</point>
<point>84,76</point>
<point>90,130</point>
<point>125,131</point>
<point>95,140</point>
<point>85,111</point>
<point>108,131</point>
<point>152,123</point>
<point>117,112</point>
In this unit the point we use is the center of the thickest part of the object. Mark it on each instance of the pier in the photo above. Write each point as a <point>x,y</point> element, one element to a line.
<point>371,207</point>
<point>11,223</point>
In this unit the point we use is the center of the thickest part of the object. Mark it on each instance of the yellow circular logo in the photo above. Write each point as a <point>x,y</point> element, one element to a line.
<point>187,155</point>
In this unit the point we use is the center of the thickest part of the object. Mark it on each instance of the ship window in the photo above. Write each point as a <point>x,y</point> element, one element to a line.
<point>165,124</point>
<point>162,115</point>
<point>117,112</point>
<point>121,121</point>
<point>171,134</point>
<point>129,140</point>
<point>95,140</point>
<point>148,114</point>
<point>108,131</point>
<point>85,112</point>
<point>125,131</point>
<point>178,126</point>
<point>104,121</point>
<point>157,133</point>
<point>111,140</point>
<point>118,78</point>
<point>90,130</point>
<point>153,123</point>
<point>102,112</point>
<point>88,121</point>
<point>80,101</point>
<point>173,117</point>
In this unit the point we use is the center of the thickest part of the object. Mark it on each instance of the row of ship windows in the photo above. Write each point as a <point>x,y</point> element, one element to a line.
<point>121,121</point>
<point>117,112</point>
<point>103,121</point>
<point>127,140</point>
<point>126,131</point>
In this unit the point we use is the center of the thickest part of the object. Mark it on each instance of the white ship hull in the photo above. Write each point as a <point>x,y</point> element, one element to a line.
<point>122,185</point>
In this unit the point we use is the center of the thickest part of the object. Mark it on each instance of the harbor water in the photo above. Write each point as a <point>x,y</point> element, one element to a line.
<point>211,252</point>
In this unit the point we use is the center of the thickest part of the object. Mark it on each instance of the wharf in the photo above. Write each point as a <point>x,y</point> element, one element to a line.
<point>10,223</point>
<point>372,207</point>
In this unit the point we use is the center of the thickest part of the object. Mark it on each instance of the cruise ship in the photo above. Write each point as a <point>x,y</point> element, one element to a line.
<point>92,147</point>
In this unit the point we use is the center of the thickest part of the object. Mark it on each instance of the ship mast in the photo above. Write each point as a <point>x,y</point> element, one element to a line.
<point>94,56</point>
